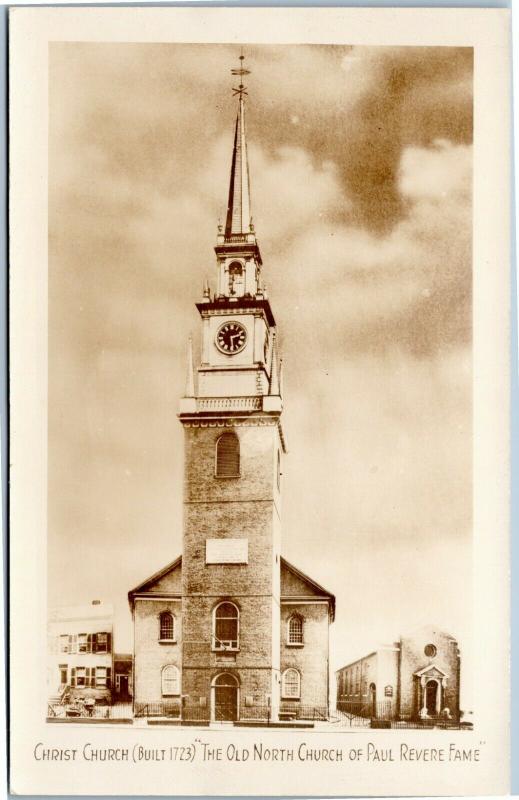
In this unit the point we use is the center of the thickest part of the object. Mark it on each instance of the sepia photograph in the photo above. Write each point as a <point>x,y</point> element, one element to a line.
<point>260,384</point>
<point>259,458</point>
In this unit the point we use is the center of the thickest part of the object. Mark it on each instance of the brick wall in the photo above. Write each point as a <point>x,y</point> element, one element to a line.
<point>231,508</point>
<point>311,660</point>
<point>413,659</point>
<point>150,655</point>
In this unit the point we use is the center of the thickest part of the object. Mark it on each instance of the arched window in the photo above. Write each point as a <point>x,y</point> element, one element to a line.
<point>235,268</point>
<point>291,684</point>
<point>167,627</point>
<point>295,629</point>
<point>226,626</point>
<point>170,680</point>
<point>227,456</point>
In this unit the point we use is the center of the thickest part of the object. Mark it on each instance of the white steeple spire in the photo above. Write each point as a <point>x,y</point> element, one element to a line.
<point>238,221</point>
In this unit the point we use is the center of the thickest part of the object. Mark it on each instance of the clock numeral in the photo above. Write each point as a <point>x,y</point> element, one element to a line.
<point>231,337</point>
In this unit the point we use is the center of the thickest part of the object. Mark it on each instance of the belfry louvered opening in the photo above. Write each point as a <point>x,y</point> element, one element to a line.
<point>228,456</point>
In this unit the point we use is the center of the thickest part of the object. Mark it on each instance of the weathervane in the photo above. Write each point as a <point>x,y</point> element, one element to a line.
<point>241,71</point>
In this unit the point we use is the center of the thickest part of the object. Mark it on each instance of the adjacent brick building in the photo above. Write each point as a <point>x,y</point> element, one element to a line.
<point>230,630</point>
<point>417,677</point>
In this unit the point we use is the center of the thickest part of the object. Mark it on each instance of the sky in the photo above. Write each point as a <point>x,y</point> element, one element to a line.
<point>361,177</point>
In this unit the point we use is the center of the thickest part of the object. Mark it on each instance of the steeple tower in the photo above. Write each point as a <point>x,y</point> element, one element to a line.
<point>238,326</point>
<point>238,220</point>
<point>238,239</point>
<point>234,449</point>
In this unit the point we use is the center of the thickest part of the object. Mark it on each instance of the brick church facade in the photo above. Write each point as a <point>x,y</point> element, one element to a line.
<point>230,630</point>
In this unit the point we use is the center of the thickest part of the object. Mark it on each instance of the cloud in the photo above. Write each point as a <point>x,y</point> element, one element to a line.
<point>408,288</point>
<point>360,165</point>
<point>440,171</point>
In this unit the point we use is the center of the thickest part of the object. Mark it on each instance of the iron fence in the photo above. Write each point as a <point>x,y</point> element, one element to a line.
<point>162,709</point>
<point>187,712</point>
<point>353,708</point>
<point>443,724</point>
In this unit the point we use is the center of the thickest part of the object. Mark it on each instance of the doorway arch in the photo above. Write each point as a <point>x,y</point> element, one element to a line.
<point>373,700</point>
<point>225,696</point>
<point>432,697</point>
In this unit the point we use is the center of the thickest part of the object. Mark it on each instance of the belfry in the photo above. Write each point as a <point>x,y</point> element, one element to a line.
<point>230,631</point>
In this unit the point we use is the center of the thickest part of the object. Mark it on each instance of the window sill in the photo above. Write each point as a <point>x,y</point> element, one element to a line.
<point>295,644</point>
<point>167,641</point>
<point>283,697</point>
<point>226,477</point>
<point>223,650</point>
<point>171,695</point>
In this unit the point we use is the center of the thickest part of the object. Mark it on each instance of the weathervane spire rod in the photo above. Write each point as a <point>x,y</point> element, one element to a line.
<point>241,71</point>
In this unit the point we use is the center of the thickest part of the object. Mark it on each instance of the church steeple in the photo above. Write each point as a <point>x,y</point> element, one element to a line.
<point>238,219</point>
<point>239,361</point>
<point>237,249</point>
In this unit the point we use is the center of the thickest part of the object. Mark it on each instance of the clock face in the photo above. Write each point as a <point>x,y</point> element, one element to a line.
<point>231,338</point>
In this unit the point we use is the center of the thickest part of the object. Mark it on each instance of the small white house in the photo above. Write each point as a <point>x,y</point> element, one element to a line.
<point>80,651</point>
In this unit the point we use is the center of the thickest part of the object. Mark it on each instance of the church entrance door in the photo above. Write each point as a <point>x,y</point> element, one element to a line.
<point>373,699</point>
<point>431,694</point>
<point>225,698</point>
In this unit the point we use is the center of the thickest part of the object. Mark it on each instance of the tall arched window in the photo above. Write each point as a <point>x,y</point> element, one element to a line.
<point>227,456</point>
<point>295,629</point>
<point>226,627</point>
<point>291,684</point>
<point>167,627</point>
<point>170,680</point>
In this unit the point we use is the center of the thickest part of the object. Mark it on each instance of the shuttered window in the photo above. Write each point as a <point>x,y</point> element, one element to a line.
<point>228,456</point>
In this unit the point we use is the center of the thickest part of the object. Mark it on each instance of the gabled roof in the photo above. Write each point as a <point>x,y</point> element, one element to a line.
<point>315,588</point>
<point>147,585</point>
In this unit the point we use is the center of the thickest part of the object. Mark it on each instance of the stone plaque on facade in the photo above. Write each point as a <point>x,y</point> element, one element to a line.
<point>226,551</point>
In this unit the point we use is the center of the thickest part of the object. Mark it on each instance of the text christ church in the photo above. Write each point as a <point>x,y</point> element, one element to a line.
<point>232,631</point>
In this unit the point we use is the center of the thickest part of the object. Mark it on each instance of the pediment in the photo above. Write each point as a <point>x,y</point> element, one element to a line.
<point>430,671</point>
<point>296,584</point>
<point>168,580</point>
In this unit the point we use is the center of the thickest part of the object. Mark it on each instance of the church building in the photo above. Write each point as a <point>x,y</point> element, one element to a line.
<point>230,631</point>
<point>414,678</point>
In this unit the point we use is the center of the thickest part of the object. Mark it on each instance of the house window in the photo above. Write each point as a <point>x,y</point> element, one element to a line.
<point>291,684</point>
<point>100,643</point>
<point>170,681</point>
<point>63,644</point>
<point>81,676</point>
<point>102,676</point>
<point>226,622</point>
<point>167,627</point>
<point>82,643</point>
<point>295,630</point>
<point>227,456</point>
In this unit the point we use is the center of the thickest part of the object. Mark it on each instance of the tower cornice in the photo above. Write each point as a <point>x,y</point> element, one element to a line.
<point>226,305</point>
